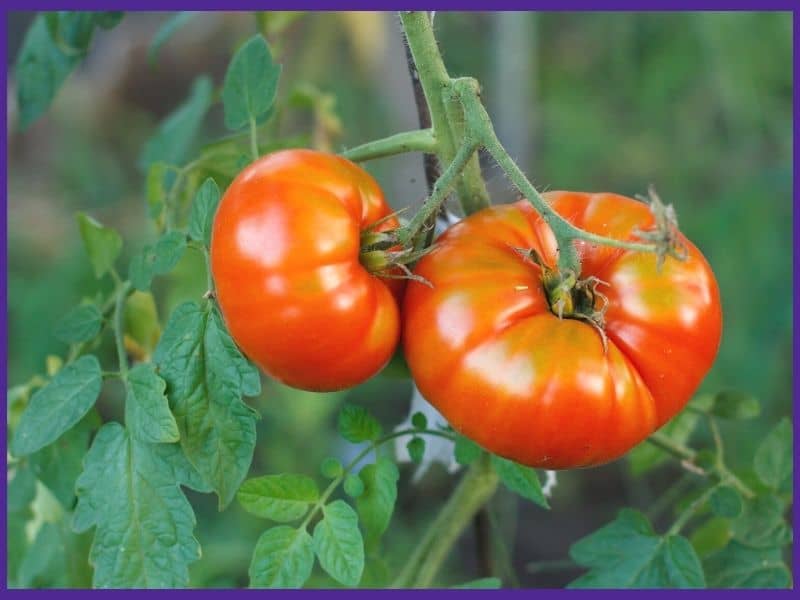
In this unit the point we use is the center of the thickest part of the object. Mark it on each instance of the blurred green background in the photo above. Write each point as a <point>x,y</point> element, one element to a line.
<point>699,104</point>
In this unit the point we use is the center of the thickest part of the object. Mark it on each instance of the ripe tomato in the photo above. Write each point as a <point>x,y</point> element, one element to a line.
<point>487,351</point>
<point>285,259</point>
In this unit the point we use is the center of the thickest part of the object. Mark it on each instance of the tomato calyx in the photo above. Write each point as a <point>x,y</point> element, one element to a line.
<point>382,255</point>
<point>571,297</point>
<point>664,235</point>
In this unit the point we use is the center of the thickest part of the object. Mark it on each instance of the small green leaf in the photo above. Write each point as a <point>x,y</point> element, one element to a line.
<point>331,467</point>
<point>251,84</point>
<point>740,566</point>
<point>58,406</point>
<point>487,583</point>
<point>174,137</point>
<point>376,505</point>
<point>353,486</point>
<point>204,208</point>
<point>206,377</point>
<point>357,425</point>
<point>627,553</point>
<point>147,413</point>
<point>733,404</point>
<point>711,536</point>
<point>419,420</point>
<point>156,260</point>
<point>156,189</point>
<point>761,524</point>
<point>338,543</point>
<point>80,324</point>
<point>726,502</point>
<point>166,31</point>
<point>282,498</point>
<point>283,558</point>
<point>416,449</point>
<point>466,451</point>
<point>102,244</point>
<point>521,480</point>
<point>773,459</point>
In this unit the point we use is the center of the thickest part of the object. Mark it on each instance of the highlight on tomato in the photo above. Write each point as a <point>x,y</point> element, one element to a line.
<point>287,265</point>
<point>548,369</point>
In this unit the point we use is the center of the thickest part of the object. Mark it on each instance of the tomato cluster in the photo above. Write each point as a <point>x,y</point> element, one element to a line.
<point>483,338</point>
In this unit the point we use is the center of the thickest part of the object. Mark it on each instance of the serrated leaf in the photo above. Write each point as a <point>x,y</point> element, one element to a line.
<point>487,583</point>
<point>647,456</point>
<point>166,31</point>
<point>773,459</point>
<point>205,383</point>
<point>627,553</point>
<point>40,70</point>
<point>156,260</point>
<point>251,84</point>
<point>283,558</point>
<point>147,414</point>
<point>338,543</point>
<point>520,480</point>
<point>733,404</point>
<point>174,137</point>
<point>466,451</point>
<point>282,498</point>
<point>80,324</point>
<point>726,502</point>
<point>740,566</point>
<point>55,408</point>
<point>102,244</point>
<point>376,503</point>
<point>357,425</point>
<point>761,524</point>
<point>58,465</point>
<point>204,208</point>
<point>129,491</point>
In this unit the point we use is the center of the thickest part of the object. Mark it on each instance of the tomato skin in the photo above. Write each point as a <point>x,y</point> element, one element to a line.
<point>285,261</point>
<point>487,352</point>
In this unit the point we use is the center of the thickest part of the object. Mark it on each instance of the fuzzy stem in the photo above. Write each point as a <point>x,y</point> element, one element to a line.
<point>419,140</point>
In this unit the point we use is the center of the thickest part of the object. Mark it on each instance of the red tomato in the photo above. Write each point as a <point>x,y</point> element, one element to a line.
<point>487,351</point>
<point>285,260</point>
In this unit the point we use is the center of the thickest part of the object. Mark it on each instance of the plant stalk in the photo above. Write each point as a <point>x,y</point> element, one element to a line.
<point>419,140</point>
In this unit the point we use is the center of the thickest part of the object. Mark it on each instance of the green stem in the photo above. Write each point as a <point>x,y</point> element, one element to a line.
<point>253,138</point>
<point>435,83</point>
<point>690,511</point>
<point>473,491</point>
<point>419,140</point>
<point>119,327</point>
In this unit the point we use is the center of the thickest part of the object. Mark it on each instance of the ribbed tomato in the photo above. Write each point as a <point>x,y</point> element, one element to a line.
<point>487,350</point>
<point>285,260</point>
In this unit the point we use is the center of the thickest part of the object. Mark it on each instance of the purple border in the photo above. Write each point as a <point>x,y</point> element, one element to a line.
<point>552,5</point>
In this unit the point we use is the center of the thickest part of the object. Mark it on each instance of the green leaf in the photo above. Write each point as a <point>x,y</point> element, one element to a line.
<point>156,189</point>
<point>71,31</point>
<point>58,465</point>
<point>206,377</point>
<point>204,208</point>
<point>251,84</point>
<point>773,459</point>
<point>102,244</point>
<point>353,486</point>
<point>627,553</point>
<point>740,566</point>
<point>357,425</point>
<point>283,558</point>
<point>761,524</point>
<point>147,414</point>
<point>55,408</point>
<point>282,498</point>
<point>167,29</point>
<point>416,449</point>
<point>647,456</point>
<point>40,70</point>
<point>80,324</point>
<point>711,536</point>
<point>21,492</point>
<point>466,451</point>
<point>108,19</point>
<point>129,491</point>
<point>338,543</point>
<point>376,504</point>
<point>156,260</point>
<point>521,480</point>
<point>174,137</point>
<point>331,467</point>
<point>419,420</point>
<point>486,583</point>
<point>732,404</point>
<point>726,502</point>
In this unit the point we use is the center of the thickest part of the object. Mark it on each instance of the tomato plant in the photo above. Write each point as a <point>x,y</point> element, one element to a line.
<point>542,383</point>
<point>285,256</point>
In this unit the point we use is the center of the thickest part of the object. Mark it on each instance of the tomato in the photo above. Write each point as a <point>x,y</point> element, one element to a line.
<point>487,350</point>
<point>285,260</point>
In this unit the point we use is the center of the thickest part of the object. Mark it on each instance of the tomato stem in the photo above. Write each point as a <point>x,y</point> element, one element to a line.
<point>418,140</point>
